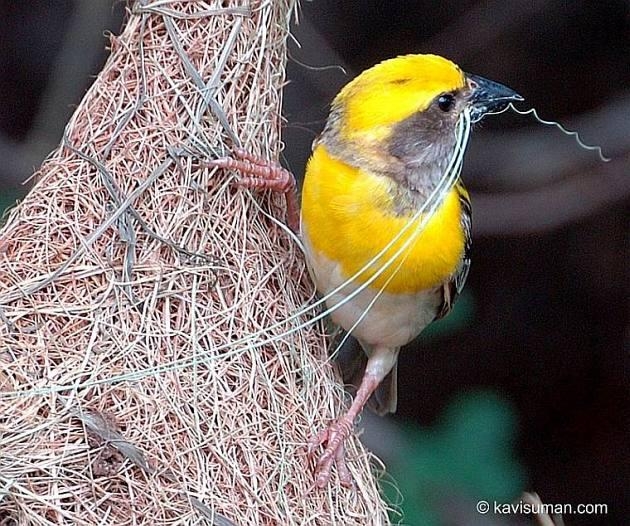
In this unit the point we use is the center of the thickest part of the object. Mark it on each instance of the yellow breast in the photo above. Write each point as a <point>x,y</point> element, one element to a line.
<point>349,215</point>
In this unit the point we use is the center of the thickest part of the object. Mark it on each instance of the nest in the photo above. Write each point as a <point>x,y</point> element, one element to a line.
<point>157,363</point>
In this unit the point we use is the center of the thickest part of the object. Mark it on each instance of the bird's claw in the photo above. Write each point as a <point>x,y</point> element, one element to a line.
<point>255,172</point>
<point>333,437</point>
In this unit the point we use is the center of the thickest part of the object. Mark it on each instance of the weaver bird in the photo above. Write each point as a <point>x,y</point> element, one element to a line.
<point>385,219</point>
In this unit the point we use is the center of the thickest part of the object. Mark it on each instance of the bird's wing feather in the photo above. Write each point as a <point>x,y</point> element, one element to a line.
<point>453,287</point>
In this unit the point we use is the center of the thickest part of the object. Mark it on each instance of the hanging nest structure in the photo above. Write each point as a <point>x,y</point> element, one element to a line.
<point>157,361</point>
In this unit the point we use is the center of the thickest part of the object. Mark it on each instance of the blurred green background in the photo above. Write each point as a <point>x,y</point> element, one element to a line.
<point>526,385</point>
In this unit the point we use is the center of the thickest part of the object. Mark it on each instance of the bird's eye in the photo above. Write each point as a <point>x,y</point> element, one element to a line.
<point>446,101</point>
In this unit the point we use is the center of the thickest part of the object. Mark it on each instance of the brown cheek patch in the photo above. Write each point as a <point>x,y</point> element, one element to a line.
<point>425,134</point>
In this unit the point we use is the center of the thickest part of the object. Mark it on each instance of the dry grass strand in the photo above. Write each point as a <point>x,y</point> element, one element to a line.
<point>146,376</point>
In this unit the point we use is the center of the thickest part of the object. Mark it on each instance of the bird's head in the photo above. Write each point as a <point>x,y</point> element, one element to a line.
<point>408,107</point>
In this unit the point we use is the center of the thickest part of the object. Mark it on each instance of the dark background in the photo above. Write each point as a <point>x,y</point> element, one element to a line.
<point>526,385</point>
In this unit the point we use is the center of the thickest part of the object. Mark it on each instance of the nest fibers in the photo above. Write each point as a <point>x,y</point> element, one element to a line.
<point>155,366</point>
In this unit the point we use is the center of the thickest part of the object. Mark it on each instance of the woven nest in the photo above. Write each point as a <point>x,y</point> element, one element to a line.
<point>156,363</point>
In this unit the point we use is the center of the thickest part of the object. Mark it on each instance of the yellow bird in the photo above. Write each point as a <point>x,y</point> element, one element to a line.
<point>385,219</point>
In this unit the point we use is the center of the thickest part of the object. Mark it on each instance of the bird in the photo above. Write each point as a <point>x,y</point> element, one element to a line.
<point>384,218</point>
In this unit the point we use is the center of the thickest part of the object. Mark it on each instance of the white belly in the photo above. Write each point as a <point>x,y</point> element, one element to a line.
<point>373,317</point>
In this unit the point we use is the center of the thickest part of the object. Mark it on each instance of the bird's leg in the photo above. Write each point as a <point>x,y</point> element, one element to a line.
<point>380,362</point>
<point>255,172</point>
<point>336,434</point>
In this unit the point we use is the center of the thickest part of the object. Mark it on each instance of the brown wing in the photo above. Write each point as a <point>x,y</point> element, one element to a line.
<point>453,288</point>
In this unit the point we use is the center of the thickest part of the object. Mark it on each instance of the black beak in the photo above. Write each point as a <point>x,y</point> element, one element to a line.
<point>489,97</point>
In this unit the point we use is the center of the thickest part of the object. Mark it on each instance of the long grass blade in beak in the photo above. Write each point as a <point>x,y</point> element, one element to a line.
<point>489,97</point>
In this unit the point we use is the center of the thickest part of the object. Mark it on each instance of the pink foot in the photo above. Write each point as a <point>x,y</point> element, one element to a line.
<point>255,172</point>
<point>334,437</point>
<point>337,432</point>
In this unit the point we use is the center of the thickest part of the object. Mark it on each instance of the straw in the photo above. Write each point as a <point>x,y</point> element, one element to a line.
<point>150,367</point>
